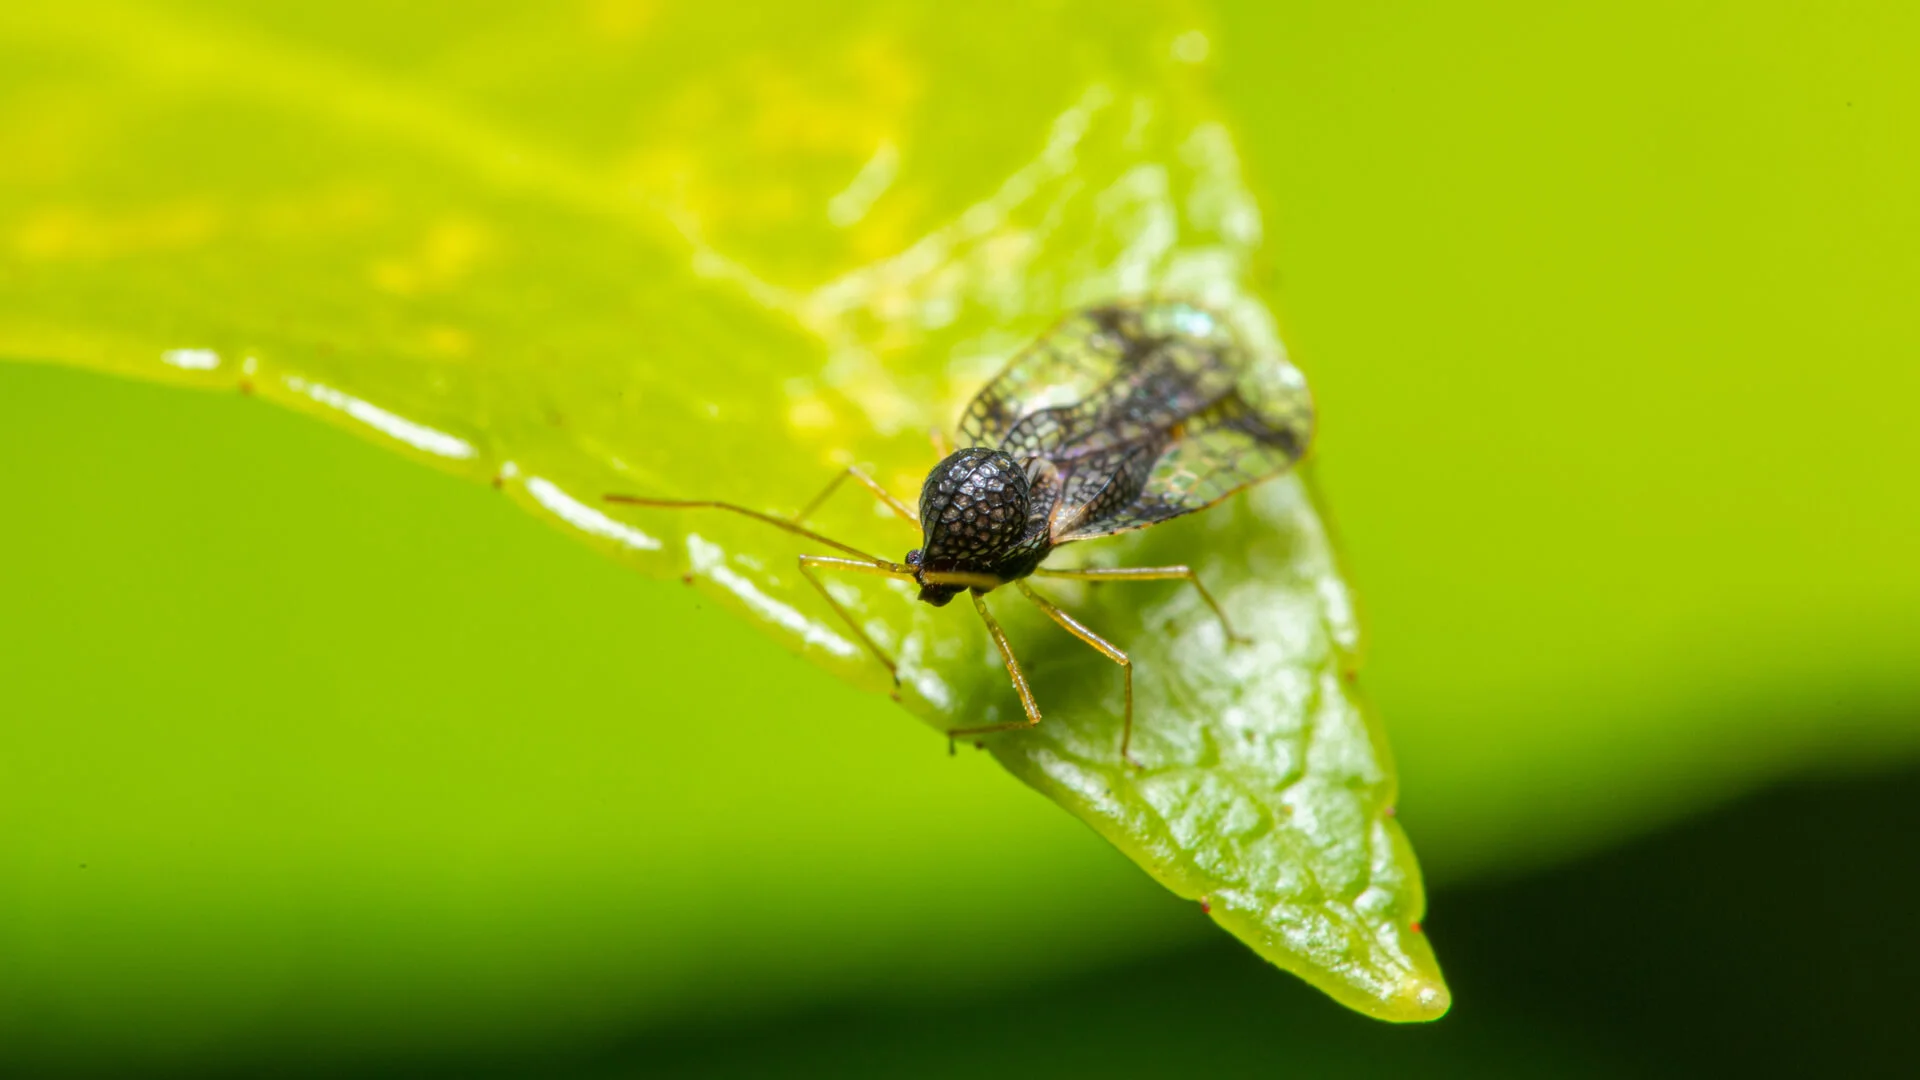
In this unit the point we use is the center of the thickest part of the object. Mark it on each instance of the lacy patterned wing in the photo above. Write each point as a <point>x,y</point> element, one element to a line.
<point>1041,387</point>
<point>1230,446</point>
<point>1122,373</point>
<point>1144,410</point>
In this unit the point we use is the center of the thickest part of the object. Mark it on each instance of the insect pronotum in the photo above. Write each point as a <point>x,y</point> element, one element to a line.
<point>1121,417</point>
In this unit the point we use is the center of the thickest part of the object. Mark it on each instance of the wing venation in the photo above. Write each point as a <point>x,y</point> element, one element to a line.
<point>1145,410</point>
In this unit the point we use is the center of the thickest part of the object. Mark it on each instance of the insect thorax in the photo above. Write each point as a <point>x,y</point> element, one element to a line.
<point>978,514</point>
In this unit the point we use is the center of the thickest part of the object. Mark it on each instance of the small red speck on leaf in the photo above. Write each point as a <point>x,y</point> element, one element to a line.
<point>1392,812</point>
<point>499,481</point>
<point>686,579</point>
<point>1415,927</point>
<point>1351,674</point>
<point>246,386</point>
<point>1205,908</point>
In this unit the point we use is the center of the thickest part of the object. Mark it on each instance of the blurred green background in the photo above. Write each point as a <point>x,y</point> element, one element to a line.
<point>316,760</point>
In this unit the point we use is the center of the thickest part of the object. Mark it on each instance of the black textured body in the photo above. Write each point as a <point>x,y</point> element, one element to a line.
<point>1124,416</point>
<point>980,515</point>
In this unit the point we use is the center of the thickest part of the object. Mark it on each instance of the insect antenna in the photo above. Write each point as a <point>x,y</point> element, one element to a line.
<point>777,522</point>
<point>861,563</point>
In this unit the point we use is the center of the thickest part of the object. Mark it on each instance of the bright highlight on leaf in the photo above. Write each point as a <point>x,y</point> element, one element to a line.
<point>654,258</point>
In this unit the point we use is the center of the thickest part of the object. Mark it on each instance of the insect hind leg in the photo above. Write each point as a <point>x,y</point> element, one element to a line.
<point>1151,573</point>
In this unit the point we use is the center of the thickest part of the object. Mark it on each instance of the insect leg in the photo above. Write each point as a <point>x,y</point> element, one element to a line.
<point>1104,647</point>
<point>1149,573</point>
<point>1013,670</point>
<point>810,563</point>
<point>870,484</point>
<point>778,523</point>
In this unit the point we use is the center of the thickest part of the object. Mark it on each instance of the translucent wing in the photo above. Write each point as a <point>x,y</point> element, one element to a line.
<point>1139,412</point>
<point>1222,450</point>
<point>1041,387</point>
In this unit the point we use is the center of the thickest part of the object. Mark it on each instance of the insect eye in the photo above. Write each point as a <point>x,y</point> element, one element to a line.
<point>913,557</point>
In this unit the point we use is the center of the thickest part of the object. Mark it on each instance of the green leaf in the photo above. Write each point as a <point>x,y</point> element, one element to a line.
<point>622,249</point>
<point>1267,793</point>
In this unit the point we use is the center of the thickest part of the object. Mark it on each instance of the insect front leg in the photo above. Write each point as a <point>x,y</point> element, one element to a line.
<point>1013,671</point>
<point>810,563</point>
<point>1101,645</point>
<point>856,473</point>
<point>1150,573</point>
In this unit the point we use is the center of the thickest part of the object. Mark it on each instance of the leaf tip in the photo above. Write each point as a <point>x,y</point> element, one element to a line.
<point>1419,998</point>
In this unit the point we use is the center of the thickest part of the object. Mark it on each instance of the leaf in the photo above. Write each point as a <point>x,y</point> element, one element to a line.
<point>638,250</point>
<point>1270,798</point>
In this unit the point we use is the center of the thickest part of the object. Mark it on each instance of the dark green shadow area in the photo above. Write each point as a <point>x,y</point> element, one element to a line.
<point>1692,957</point>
